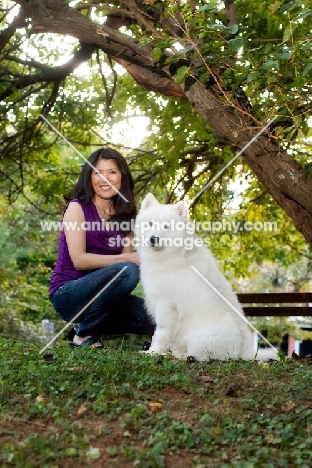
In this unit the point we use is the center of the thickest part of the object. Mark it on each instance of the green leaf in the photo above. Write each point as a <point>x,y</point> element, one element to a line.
<point>267,48</point>
<point>209,7</point>
<point>288,32</point>
<point>307,68</point>
<point>182,73</point>
<point>252,76</point>
<point>216,27</point>
<point>288,6</point>
<point>236,44</point>
<point>144,41</point>
<point>157,53</point>
<point>283,110</point>
<point>298,81</point>
<point>70,451</point>
<point>171,171</point>
<point>271,65</point>
<point>304,14</point>
<point>164,44</point>
<point>281,355</point>
<point>233,29</point>
<point>203,77</point>
<point>282,54</point>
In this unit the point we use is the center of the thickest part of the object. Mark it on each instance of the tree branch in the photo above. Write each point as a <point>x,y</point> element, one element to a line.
<point>29,63</point>
<point>138,61</point>
<point>56,74</point>
<point>18,22</point>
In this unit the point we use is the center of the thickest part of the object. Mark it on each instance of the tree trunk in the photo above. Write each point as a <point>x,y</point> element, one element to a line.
<point>281,175</point>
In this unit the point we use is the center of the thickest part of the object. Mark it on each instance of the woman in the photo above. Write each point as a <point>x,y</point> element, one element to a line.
<point>96,269</point>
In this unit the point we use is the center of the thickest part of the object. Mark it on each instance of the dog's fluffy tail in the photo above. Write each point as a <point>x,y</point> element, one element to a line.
<point>266,354</point>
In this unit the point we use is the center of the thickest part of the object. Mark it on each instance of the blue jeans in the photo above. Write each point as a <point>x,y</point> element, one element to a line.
<point>115,311</point>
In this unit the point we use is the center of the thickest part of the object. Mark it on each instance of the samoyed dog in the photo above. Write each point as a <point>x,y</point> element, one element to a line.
<point>195,310</point>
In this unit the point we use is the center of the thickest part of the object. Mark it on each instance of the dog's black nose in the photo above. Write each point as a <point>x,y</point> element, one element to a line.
<point>154,240</point>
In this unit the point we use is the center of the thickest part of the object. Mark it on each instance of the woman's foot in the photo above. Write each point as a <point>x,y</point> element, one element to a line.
<point>86,341</point>
<point>77,340</point>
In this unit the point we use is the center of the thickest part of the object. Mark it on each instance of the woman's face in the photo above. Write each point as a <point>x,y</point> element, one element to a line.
<point>107,186</point>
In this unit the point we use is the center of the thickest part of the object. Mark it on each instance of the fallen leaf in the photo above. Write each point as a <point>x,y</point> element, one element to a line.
<point>93,453</point>
<point>81,411</point>
<point>40,398</point>
<point>112,450</point>
<point>155,406</point>
<point>205,378</point>
<point>263,364</point>
<point>270,438</point>
<point>288,406</point>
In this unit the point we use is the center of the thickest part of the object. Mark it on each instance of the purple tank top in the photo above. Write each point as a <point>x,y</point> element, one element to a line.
<point>99,240</point>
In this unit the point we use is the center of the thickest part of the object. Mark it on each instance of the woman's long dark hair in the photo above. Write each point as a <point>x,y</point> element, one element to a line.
<point>83,190</point>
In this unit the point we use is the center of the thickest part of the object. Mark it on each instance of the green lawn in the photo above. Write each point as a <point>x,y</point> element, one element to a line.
<point>118,408</point>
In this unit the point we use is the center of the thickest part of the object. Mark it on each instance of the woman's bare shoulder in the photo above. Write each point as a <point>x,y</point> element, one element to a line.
<point>73,210</point>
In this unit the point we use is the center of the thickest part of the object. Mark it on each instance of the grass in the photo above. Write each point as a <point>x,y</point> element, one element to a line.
<point>118,408</point>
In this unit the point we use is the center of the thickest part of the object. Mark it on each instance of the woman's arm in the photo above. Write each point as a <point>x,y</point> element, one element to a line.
<point>76,242</point>
<point>128,248</point>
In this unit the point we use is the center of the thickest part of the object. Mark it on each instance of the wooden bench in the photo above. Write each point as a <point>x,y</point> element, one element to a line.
<point>283,304</point>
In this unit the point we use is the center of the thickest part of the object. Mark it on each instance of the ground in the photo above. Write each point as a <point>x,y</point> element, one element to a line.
<point>118,408</point>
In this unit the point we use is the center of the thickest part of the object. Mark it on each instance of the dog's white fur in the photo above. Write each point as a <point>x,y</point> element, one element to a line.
<point>191,318</point>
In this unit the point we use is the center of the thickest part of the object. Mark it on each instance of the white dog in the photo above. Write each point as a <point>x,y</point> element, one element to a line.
<point>191,318</point>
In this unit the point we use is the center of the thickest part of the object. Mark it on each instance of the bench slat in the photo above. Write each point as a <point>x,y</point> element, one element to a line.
<point>275,298</point>
<point>278,311</point>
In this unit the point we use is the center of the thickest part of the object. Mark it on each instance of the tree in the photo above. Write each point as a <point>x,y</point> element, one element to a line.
<point>237,66</point>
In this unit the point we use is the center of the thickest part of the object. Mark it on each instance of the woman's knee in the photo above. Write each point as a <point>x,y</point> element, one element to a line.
<point>133,272</point>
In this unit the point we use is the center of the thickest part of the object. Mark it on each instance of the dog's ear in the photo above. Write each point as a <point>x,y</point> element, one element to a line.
<point>148,201</point>
<point>181,209</point>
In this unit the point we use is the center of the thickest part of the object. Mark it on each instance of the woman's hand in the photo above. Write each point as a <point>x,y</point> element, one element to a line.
<point>131,257</point>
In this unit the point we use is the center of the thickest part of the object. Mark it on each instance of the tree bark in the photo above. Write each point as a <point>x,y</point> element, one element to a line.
<point>282,176</point>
